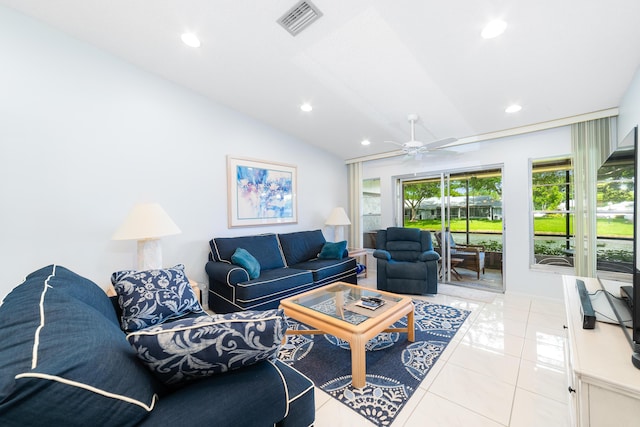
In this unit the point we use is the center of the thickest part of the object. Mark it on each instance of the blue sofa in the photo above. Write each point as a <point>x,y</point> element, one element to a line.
<point>65,361</point>
<point>288,264</point>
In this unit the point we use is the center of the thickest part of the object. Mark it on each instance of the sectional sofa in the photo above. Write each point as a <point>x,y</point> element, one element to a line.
<point>65,359</point>
<point>287,264</point>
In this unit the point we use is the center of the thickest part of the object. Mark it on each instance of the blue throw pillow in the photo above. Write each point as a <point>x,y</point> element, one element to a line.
<point>64,360</point>
<point>201,346</point>
<point>151,297</point>
<point>333,250</point>
<point>244,259</point>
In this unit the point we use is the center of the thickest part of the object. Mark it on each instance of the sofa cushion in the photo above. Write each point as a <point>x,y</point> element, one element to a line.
<point>332,250</point>
<point>301,246</point>
<point>271,285</point>
<point>64,359</point>
<point>151,297</point>
<point>264,248</point>
<point>257,395</point>
<point>326,271</point>
<point>244,259</point>
<point>185,349</point>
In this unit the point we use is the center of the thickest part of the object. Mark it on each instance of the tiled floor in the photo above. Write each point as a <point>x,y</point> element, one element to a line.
<point>504,367</point>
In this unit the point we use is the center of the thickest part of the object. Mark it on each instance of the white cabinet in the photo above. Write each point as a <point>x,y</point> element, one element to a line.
<point>605,384</point>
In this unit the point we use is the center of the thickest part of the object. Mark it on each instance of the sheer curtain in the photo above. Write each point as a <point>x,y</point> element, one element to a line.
<point>354,173</point>
<point>590,146</point>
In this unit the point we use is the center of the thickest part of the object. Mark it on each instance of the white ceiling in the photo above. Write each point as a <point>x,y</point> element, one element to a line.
<point>366,64</point>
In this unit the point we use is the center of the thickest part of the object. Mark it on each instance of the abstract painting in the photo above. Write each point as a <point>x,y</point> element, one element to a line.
<point>261,193</point>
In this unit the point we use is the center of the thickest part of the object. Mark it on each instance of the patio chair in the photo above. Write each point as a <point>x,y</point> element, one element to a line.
<point>472,255</point>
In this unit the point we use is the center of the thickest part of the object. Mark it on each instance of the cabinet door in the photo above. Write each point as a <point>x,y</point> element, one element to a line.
<point>609,408</point>
<point>572,386</point>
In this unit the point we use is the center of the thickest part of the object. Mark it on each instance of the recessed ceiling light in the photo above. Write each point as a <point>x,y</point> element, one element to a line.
<point>190,39</point>
<point>365,142</point>
<point>493,29</point>
<point>514,108</point>
<point>306,107</point>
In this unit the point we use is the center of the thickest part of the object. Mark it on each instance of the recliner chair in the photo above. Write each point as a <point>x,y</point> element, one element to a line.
<point>406,261</point>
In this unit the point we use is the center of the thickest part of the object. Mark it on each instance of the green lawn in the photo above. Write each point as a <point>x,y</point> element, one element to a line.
<point>614,227</point>
<point>458,225</point>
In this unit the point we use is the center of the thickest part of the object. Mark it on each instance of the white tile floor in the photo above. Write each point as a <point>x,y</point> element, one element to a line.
<point>504,367</point>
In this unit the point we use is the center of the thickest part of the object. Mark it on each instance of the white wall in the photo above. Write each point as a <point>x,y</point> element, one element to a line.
<point>84,136</point>
<point>629,110</point>
<point>514,153</point>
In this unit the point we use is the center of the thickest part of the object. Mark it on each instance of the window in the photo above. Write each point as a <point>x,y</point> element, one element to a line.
<point>615,213</point>
<point>371,210</point>
<point>553,212</point>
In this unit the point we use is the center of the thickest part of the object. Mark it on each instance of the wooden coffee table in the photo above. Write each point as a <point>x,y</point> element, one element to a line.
<point>332,310</point>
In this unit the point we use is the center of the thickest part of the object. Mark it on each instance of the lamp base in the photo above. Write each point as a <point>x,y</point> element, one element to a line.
<point>149,254</point>
<point>338,233</point>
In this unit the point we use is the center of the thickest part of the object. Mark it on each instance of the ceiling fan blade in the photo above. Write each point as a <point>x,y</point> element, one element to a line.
<point>416,149</point>
<point>439,143</point>
<point>396,143</point>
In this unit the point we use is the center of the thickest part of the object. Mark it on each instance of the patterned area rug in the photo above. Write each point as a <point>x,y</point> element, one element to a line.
<point>395,367</point>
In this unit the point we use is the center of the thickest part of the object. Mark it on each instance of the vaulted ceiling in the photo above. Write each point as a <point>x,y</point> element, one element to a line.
<point>364,65</point>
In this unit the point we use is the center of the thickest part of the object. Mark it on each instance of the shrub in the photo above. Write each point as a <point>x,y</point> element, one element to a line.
<point>491,245</point>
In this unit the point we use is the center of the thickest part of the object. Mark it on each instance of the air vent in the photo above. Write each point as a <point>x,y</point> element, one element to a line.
<point>299,17</point>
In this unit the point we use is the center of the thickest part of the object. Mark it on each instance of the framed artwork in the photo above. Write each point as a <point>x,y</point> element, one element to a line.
<point>261,193</point>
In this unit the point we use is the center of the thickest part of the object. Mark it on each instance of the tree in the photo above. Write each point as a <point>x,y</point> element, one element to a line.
<point>487,186</point>
<point>548,190</point>
<point>415,193</point>
<point>615,183</point>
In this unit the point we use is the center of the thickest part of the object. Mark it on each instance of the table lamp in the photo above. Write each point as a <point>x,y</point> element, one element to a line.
<point>338,218</point>
<point>146,223</point>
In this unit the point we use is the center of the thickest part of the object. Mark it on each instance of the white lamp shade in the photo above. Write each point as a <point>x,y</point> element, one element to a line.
<point>338,217</point>
<point>146,221</point>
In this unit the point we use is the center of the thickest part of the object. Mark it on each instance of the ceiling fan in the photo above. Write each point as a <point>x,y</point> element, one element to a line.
<point>415,148</point>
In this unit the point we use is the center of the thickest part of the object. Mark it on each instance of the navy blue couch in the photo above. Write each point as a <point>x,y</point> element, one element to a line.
<point>289,265</point>
<point>64,361</point>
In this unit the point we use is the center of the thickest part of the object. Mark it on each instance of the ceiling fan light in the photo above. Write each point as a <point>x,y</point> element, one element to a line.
<point>306,107</point>
<point>365,142</point>
<point>493,29</point>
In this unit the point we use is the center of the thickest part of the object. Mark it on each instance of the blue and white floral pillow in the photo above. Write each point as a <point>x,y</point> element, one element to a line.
<point>195,347</point>
<point>151,297</point>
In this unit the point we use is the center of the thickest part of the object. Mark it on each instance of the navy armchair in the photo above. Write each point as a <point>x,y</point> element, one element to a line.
<point>406,261</point>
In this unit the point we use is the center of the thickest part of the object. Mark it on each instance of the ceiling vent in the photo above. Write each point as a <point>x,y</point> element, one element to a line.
<point>299,17</point>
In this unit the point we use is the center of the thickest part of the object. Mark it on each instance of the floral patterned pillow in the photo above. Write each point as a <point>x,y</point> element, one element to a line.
<point>151,297</point>
<point>196,347</point>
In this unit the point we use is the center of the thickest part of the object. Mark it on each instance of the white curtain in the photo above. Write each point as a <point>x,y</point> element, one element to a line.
<point>590,146</point>
<point>354,172</point>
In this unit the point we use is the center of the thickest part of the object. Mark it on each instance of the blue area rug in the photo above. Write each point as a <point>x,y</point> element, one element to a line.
<point>395,367</point>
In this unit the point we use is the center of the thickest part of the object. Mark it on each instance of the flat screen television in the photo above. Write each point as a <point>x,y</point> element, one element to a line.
<point>634,299</point>
<point>627,156</point>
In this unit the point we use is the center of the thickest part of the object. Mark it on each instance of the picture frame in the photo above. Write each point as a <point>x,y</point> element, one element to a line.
<point>261,192</point>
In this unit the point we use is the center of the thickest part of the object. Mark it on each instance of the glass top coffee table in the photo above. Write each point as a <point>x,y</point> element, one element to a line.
<point>334,310</point>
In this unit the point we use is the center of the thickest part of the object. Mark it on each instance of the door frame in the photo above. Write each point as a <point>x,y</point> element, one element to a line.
<point>445,214</point>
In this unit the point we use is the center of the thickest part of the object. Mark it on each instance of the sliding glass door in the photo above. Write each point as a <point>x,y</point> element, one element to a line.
<point>463,211</point>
